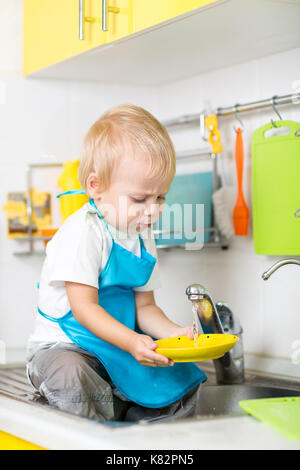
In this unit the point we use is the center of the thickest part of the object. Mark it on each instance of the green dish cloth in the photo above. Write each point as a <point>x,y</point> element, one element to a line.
<point>281,413</point>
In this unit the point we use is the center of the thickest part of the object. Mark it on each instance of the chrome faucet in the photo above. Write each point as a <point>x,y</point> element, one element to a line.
<point>277,265</point>
<point>218,318</point>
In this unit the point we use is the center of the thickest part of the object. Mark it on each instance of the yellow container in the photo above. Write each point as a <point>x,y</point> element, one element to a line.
<point>68,181</point>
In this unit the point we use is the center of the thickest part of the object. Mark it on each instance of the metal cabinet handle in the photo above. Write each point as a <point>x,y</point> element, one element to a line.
<point>104,15</point>
<point>80,4</point>
<point>90,19</point>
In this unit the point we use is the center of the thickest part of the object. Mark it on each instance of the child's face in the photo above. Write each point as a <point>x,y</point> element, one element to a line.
<point>133,201</point>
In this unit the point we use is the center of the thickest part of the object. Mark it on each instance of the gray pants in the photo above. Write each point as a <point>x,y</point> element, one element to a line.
<point>73,380</point>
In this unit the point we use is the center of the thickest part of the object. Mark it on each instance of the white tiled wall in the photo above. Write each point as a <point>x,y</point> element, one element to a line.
<point>43,118</point>
<point>269,311</point>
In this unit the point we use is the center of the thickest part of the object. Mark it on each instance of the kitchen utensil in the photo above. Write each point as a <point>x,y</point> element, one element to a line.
<point>276,189</point>
<point>214,136</point>
<point>281,413</point>
<point>223,201</point>
<point>240,211</point>
<point>182,349</point>
<point>222,194</point>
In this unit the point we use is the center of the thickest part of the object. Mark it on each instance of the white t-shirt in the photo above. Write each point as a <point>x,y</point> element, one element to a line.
<point>78,253</point>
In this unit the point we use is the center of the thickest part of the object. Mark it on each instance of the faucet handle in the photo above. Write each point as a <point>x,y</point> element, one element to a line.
<point>229,321</point>
<point>195,291</point>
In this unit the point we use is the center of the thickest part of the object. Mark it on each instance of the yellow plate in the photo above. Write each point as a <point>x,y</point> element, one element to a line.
<point>182,349</point>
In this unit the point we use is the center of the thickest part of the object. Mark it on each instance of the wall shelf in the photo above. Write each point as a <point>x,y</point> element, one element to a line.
<point>216,238</point>
<point>30,239</point>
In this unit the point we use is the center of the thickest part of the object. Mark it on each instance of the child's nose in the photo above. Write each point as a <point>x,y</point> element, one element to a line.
<point>151,209</point>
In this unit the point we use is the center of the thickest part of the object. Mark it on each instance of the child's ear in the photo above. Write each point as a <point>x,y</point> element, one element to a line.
<point>93,186</point>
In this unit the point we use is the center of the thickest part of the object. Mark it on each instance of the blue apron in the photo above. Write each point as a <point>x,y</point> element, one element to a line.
<point>152,387</point>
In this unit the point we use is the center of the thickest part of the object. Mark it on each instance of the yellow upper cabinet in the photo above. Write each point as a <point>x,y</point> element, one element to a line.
<point>125,17</point>
<point>148,13</point>
<point>52,31</point>
<point>55,30</point>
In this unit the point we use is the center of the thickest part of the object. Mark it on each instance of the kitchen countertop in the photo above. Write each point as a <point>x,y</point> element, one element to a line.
<point>47,427</point>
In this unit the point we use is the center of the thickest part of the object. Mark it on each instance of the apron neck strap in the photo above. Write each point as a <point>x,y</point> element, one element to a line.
<point>74,191</point>
<point>92,202</point>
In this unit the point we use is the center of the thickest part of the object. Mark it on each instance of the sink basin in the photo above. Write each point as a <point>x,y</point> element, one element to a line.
<point>224,399</point>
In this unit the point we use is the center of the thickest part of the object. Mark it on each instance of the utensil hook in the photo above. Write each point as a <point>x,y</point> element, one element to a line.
<point>238,118</point>
<point>297,213</point>
<point>273,99</point>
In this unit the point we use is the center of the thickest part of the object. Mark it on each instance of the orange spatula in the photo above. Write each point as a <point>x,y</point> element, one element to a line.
<point>240,212</point>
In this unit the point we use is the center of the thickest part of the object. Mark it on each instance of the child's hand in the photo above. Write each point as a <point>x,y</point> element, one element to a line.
<point>183,331</point>
<point>142,348</point>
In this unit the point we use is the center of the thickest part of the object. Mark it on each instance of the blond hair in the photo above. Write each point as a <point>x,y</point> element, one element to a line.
<point>122,128</point>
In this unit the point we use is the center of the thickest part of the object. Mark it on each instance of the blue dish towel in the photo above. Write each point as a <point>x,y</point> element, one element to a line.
<point>188,207</point>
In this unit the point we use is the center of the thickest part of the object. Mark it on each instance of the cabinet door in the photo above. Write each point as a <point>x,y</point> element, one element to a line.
<point>51,27</point>
<point>148,13</point>
<point>10,442</point>
<point>120,19</point>
<point>125,17</point>
<point>51,31</point>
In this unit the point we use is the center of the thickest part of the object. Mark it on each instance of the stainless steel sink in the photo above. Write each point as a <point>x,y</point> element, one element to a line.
<point>224,399</point>
<point>212,399</point>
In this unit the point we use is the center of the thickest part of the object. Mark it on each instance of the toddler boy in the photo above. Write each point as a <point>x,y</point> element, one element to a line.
<point>92,352</point>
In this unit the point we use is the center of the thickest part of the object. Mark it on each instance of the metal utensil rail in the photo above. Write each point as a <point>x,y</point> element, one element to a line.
<point>274,101</point>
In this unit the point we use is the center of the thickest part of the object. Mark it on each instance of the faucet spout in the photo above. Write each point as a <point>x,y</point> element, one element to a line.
<point>207,310</point>
<point>277,265</point>
<point>218,318</point>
